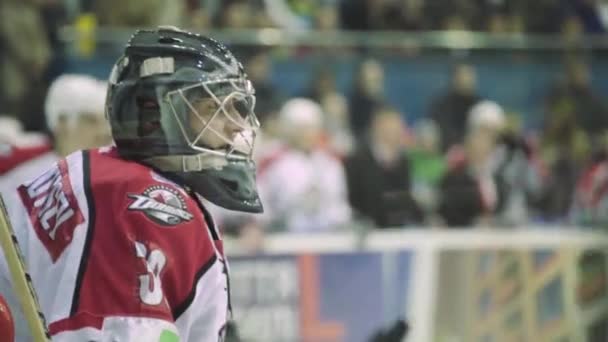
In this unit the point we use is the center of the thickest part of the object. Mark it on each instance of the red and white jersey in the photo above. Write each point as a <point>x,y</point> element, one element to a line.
<point>118,253</point>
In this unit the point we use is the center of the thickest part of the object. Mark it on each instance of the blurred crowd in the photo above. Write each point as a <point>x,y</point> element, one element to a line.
<point>326,158</point>
<point>499,16</point>
<point>33,54</point>
<point>329,158</point>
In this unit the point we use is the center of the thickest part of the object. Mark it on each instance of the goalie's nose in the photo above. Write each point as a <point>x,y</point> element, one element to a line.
<point>235,124</point>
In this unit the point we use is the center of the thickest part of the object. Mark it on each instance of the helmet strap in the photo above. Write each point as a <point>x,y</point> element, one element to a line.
<point>187,163</point>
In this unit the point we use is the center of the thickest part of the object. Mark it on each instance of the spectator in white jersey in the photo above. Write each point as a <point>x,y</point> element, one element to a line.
<point>75,113</point>
<point>303,186</point>
<point>74,110</point>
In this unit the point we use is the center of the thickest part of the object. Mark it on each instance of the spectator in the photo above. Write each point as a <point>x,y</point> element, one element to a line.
<point>322,84</point>
<point>450,110</point>
<point>368,92</point>
<point>564,148</point>
<point>574,94</point>
<point>75,114</point>
<point>268,97</point>
<point>590,207</point>
<point>398,15</point>
<point>589,15</point>
<point>199,19</point>
<point>542,16</point>
<point>519,177</point>
<point>336,121</point>
<point>258,11</point>
<point>427,164</point>
<point>378,174</point>
<point>575,123</point>
<point>24,60</point>
<point>503,16</point>
<point>469,191</point>
<point>54,16</point>
<point>141,13</point>
<point>455,15</point>
<point>236,15</point>
<point>269,141</point>
<point>572,28</point>
<point>303,186</point>
<point>326,18</point>
<point>411,15</point>
<point>358,14</point>
<point>498,23</point>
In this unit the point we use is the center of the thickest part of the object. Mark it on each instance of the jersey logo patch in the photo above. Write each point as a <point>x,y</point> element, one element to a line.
<point>162,205</point>
<point>53,208</point>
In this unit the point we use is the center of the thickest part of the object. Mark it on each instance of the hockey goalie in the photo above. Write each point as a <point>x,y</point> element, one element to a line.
<point>117,240</point>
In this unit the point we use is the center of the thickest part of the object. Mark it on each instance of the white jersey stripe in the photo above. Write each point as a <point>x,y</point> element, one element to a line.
<point>208,309</point>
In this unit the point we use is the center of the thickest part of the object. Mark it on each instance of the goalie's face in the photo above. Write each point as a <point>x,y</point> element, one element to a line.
<point>218,130</point>
<point>220,123</point>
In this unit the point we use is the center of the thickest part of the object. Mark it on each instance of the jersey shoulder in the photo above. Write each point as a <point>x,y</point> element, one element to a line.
<point>131,188</point>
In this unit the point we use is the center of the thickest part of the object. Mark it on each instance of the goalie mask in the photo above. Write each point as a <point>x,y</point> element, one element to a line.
<point>181,103</point>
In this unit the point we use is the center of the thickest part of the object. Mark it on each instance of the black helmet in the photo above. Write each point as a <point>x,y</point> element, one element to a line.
<point>182,103</point>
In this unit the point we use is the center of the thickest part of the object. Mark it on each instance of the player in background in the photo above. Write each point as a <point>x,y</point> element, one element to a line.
<point>74,110</point>
<point>116,239</point>
<point>318,200</point>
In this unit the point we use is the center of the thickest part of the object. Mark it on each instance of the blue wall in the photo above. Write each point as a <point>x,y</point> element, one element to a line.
<point>518,81</point>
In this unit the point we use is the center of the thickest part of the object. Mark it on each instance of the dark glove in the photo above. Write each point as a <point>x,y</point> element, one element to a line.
<point>396,333</point>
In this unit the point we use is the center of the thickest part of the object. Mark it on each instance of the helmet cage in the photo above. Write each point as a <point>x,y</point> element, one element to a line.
<point>240,99</point>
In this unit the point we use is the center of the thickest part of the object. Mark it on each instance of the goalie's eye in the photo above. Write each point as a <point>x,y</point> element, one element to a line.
<point>243,105</point>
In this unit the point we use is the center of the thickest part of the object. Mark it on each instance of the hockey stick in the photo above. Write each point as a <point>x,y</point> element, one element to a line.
<point>22,282</point>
